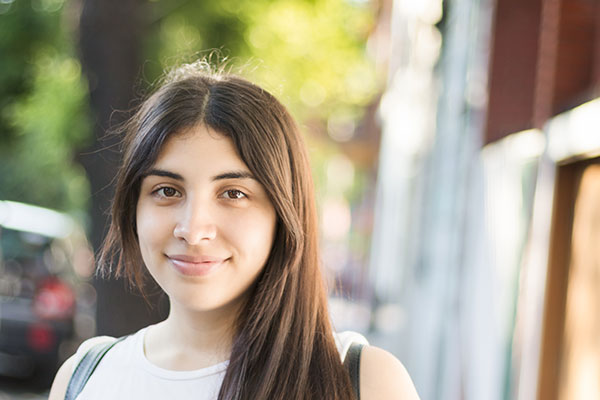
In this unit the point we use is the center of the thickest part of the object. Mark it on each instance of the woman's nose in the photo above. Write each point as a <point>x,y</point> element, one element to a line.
<point>195,225</point>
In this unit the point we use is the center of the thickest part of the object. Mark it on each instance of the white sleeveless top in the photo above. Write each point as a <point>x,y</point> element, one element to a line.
<point>126,373</point>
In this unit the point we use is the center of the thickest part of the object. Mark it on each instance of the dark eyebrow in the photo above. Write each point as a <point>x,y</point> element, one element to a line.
<point>234,175</point>
<point>226,175</point>
<point>162,172</point>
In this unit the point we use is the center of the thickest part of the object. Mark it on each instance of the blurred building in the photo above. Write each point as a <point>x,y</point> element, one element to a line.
<point>485,257</point>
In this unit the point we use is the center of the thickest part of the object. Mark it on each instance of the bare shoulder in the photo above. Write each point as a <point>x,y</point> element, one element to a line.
<point>61,381</point>
<point>382,376</point>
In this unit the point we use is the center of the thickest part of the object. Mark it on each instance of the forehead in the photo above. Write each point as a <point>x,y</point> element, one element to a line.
<point>199,147</point>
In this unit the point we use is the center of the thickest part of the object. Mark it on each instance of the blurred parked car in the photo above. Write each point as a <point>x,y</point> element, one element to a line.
<point>44,262</point>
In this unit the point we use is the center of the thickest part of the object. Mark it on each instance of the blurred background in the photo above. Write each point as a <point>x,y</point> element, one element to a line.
<point>455,147</point>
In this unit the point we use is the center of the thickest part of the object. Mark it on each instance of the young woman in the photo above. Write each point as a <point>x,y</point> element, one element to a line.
<point>215,200</point>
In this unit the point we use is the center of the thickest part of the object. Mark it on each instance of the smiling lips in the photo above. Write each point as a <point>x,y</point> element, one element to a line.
<point>195,265</point>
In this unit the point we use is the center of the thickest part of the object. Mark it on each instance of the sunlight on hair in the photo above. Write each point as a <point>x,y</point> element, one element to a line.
<point>202,66</point>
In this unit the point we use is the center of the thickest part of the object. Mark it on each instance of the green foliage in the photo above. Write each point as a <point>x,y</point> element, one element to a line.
<point>314,51</point>
<point>44,109</point>
<point>50,121</point>
<point>182,31</point>
<point>21,31</point>
<point>309,53</point>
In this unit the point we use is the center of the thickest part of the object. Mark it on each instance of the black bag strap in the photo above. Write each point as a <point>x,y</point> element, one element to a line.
<point>352,364</point>
<point>86,367</point>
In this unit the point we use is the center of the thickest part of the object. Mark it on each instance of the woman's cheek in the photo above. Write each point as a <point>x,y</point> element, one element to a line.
<point>152,227</point>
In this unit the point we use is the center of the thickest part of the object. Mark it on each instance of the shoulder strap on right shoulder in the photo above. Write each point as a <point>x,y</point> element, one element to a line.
<point>352,364</point>
<point>86,367</point>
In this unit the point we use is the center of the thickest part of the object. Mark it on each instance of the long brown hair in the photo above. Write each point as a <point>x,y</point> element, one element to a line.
<point>283,347</point>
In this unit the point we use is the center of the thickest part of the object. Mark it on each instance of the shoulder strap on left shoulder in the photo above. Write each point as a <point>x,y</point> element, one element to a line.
<point>86,367</point>
<point>352,364</point>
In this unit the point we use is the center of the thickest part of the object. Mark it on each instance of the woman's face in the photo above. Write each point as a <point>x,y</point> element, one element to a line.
<point>205,224</point>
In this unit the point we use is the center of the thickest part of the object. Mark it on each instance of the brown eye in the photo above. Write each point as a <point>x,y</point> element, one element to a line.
<point>167,192</point>
<point>234,194</point>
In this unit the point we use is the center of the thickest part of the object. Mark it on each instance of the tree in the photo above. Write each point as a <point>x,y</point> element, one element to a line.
<point>110,33</point>
<point>43,110</point>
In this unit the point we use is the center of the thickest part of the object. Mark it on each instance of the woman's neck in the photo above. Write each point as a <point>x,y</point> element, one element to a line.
<point>189,339</point>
